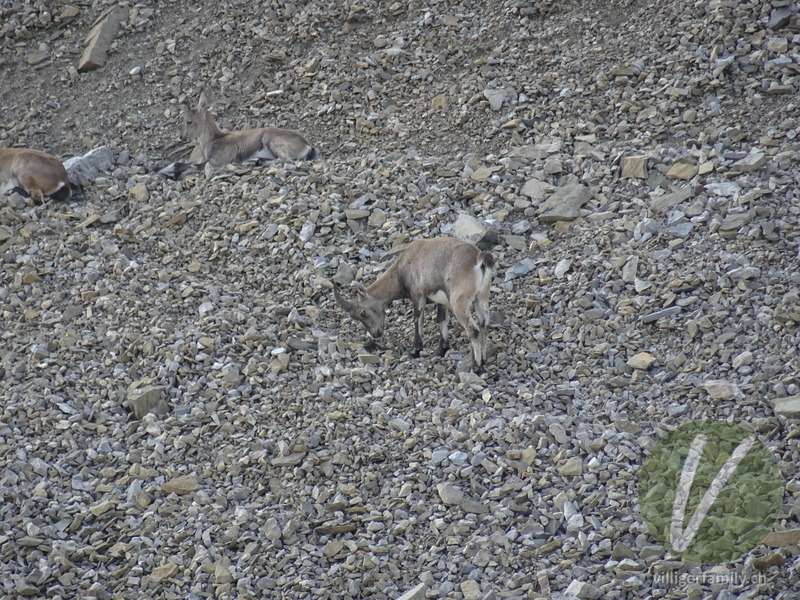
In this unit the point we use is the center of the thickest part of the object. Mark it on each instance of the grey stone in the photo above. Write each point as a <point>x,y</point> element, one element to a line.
<point>147,399</point>
<point>415,593</point>
<point>536,189</point>
<point>779,18</point>
<point>662,204</point>
<point>565,203</point>
<point>583,590</point>
<point>83,170</point>
<point>449,493</point>
<point>751,162</point>
<point>519,269</point>
<point>664,313</point>
<point>787,407</point>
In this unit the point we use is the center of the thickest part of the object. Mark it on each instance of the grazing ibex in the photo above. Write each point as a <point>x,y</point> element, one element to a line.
<point>218,148</point>
<point>454,274</point>
<point>33,174</point>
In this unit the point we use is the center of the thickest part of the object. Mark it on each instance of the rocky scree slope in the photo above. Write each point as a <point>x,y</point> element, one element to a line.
<point>282,460</point>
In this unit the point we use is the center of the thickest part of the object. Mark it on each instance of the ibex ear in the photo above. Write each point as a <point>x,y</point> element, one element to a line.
<point>202,103</point>
<point>362,291</point>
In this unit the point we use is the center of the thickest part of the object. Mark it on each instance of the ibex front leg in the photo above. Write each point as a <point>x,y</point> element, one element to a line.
<point>461,308</point>
<point>419,309</point>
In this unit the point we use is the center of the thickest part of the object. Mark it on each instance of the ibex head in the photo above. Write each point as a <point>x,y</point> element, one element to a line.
<point>366,309</point>
<point>194,119</point>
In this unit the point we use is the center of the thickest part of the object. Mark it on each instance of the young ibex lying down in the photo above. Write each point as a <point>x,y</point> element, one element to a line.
<point>33,174</point>
<point>454,274</point>
<point>219,148</point>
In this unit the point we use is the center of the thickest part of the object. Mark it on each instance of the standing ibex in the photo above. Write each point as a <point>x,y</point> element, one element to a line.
<point>34,174</point>
<point>219,148</point>
<point>454,274</point>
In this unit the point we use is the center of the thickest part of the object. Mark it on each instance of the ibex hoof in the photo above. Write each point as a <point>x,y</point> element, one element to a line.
<point>415,352</point>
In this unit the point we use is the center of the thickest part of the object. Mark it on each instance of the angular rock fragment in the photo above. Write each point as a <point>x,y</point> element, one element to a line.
<point>634,167</point>
<point>565,203</point>
<point>100,38</point>
<point>83,170</point>
<point>184,484</point>
<point>788,407</point>
<point>147,399</point>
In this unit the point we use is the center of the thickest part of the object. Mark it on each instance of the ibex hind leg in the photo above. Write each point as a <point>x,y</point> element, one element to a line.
<point>419,308</point>
<point>441,320</point>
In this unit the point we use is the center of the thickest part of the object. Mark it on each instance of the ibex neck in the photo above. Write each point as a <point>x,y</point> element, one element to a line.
<point>388,287</point>
<point>210,131</point>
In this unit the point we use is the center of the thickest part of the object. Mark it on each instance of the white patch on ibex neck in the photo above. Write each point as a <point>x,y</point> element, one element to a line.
<point>9,184</point>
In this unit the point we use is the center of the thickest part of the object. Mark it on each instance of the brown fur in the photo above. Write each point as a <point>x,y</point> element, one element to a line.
<point>220,148</point>
<point>34,173</point>
<point>452,273</point>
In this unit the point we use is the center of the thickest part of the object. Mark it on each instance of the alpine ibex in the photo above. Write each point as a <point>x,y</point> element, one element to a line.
<point>454,274</point>
<point>34,174</point>
<point>219,148</point>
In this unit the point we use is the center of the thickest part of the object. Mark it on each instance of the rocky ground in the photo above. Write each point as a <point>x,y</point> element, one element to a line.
<point>185,412</point>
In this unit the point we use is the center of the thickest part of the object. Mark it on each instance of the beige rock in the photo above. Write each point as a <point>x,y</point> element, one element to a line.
<point>682,170</point>
<point>634,167</point>
<point>290,460</point>
<point>222,572</point>
<point>178,219</point>
<point>720,389</point>
<point>572,468</point>
<point>751,162</point>
<point>642,361</point>
<point>147,399</point>
<point>102,507</point>
<point>778,45</point>
<point>164,572</point>
<point>781,539</point>
<point>662,204</point>
<point>332,548</point>
<point>37,57</point>
<point>139,193</point>
<point>183,484</point>
<point>536,189</point>
<point>368,359</point>
<point>705,167</point>
<point>471,589</point>
<point>100,37</point>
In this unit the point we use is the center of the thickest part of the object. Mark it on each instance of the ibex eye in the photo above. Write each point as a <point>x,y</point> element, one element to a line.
<point>363,314</point>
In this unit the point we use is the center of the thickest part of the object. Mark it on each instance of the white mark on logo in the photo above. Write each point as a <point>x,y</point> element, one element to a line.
<point>680,539</point>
